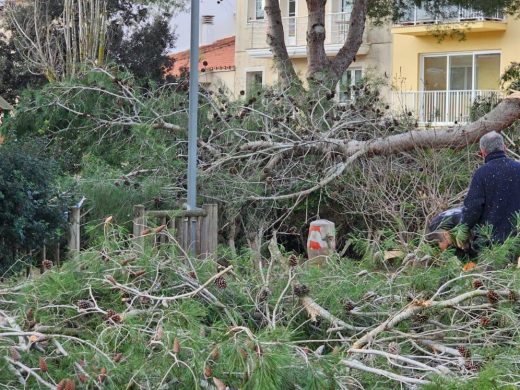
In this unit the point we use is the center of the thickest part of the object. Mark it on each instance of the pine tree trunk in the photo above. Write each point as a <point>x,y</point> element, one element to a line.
<point>348,52</point>
<point>276,41</point>
<point>318,63</point>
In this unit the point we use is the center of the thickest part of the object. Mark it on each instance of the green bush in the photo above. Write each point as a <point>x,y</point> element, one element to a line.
<point>31,214</point>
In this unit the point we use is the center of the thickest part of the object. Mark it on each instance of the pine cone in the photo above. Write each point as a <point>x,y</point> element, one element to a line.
<point>47,264</point>
<point>264,294</point>
<point>66,384</point>
<point>293,261</point>
<point>43,365</point>
<point>511,295</point>
<point>470,366</point>
<point>84,304</point>
<point>82,378</point>
<point>104,255</point>
<point>465,353</point>
<point>15,355</point>
<point>484,321</point>
<point>220,282</point>
<point>349,306</point>
<point>477,284</point>
<point>113,316</point>
<point>493,297</point>
<point>192,275</point>
<point>421,319</point>
<point>300,290</point>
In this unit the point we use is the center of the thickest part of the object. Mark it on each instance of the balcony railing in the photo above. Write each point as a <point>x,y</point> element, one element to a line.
<point>448,15</point>
<point>295,29</point>
<point>441,107</point>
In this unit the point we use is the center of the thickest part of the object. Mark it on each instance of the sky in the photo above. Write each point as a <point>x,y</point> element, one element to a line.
<point>224,24</point>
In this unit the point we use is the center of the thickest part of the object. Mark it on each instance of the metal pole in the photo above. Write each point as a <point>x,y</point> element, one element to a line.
<point>194,106</point>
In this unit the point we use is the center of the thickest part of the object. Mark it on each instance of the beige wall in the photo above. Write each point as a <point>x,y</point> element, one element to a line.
<point>377,60</point>
<point>217,79</point>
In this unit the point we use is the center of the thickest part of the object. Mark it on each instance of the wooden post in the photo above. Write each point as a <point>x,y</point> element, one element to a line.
<point>209,230</point>
<point>139,224</point>
<point>74,229</point>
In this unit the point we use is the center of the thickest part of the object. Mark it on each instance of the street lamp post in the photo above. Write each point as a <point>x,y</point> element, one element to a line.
<point>193,112</point>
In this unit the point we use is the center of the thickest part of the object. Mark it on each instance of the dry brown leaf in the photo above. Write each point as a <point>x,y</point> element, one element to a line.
<point>219,384</point>
<point>389,255</point>
<point>159,229</point>
<point>469,266</point>
<point>102,375</point>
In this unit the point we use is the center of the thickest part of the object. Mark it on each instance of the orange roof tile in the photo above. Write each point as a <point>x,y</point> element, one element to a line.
<point>220,55</point>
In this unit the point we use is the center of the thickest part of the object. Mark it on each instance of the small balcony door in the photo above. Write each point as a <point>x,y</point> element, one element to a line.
<point>452,82</point>
<point>291,23</point>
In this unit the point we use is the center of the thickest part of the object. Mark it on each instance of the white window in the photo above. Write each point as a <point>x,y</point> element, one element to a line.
<point>351,78</point>
<point>254,80</point>
<point>259,9</point>
<point>346,6</point>
<point>461,72</point>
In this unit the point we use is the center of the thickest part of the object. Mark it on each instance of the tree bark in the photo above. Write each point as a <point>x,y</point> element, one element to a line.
<point>500,118</point>
<point>276,41</point>
<point>348,52</point>
<point>317,60</point>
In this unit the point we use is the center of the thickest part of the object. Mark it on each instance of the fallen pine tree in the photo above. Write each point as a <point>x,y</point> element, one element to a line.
<point>117,318</point>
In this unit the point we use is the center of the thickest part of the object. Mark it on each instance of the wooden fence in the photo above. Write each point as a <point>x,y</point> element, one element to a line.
<point>178,225</point>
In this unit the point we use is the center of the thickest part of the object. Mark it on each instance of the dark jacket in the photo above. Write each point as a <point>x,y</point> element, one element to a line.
<point>494,196</point>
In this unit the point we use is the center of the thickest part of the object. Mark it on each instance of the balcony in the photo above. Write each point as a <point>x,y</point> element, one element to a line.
<point>419,22</point>
<point>441,108</point>
<point>295,29</point>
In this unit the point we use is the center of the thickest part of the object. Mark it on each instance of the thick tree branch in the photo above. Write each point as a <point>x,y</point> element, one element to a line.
<point>276,41</point>
<point>354,39</point>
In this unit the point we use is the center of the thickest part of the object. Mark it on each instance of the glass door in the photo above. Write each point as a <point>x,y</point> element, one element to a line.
<point>452,82</point>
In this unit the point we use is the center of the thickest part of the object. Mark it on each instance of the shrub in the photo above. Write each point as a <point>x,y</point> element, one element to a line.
<point>30,212</point>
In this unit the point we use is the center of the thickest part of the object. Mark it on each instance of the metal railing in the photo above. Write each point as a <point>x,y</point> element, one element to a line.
<point>441,107</point>
<point>452,14</point>
<point>295,29</point>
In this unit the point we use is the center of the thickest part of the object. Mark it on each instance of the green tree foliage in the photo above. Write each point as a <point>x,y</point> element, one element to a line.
<point>144,51</point>
<point>31,214</point>
<point>139,36</point>
<point>14,76</point>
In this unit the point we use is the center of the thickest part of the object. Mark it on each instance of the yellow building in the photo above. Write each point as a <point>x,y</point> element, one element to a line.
<point>254,61</point>
<point>438,78</point>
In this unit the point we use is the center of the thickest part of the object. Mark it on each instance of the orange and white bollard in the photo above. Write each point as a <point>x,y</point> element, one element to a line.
<point>321,242</point>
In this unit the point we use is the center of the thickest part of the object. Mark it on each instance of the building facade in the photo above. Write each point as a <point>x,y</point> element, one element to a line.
<point>216,65</point>
<point>435,67</point>
<point>254,60</point>
<point>442,65</point>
